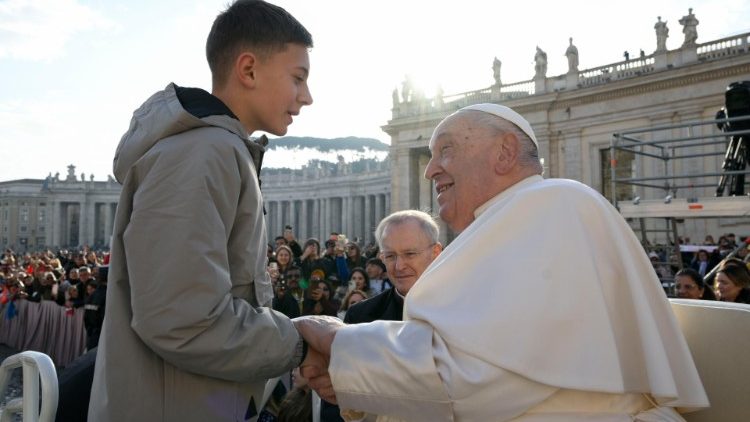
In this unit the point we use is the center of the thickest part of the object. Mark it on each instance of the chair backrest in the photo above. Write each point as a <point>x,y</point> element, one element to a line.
<point>718,334</point>
<point>36,367</point>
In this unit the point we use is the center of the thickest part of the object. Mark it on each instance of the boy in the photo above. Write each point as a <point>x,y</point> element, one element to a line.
<point>186,336</point>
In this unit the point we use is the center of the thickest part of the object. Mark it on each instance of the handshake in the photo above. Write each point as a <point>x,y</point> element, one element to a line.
<point>319,332</point>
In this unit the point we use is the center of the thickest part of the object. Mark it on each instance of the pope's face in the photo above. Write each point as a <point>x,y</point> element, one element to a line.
<point>460,167</point>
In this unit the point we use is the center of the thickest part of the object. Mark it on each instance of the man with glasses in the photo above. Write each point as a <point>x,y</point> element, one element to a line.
<point>408,242</point>
<point>544,307</point>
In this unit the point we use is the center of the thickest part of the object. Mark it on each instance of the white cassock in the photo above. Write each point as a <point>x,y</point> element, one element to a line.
<point>545,308</point>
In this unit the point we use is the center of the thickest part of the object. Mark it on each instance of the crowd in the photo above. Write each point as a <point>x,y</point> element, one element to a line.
<point>311,281</point>
<point>713,271</point>
<point>72,279</point>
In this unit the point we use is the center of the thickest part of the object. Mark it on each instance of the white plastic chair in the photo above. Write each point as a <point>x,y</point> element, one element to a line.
<point>36,366</point>
<point>717,334</point>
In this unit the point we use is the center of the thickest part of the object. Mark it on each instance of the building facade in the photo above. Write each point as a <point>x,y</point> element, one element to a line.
<point>72,212</point>
<point>54,212</point>
<point>575,116</point>
<point>316,201</point>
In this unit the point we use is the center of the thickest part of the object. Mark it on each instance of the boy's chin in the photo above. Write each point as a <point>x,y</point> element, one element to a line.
<point>278,131</point>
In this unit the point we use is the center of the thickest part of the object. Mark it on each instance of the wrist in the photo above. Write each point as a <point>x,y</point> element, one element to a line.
<point>300,351</point>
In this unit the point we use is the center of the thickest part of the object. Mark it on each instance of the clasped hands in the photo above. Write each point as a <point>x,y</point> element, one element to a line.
<point>319,332</point>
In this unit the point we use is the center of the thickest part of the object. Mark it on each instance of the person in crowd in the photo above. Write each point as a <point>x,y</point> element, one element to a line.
<point>377,272</point>
<point>311,260</point>
<point>94,307</point>
<point>284,259</point>
<point>297,405</point>
<point>360,281</point>
<point>743,254</point>
<point>352,298</point>
<point>295,285</point>
<point>354,256</point>
<point>732,282</point>
<point>663,271</point>
<point>319,298</point>
<point>74,281</point>
<point>188,332</point>
<point>291,241</point>
<point>45,288</point>
<point>283,301</point>
<point>85,275</point>
<point>92,260</point>
<point>732,240</point>
<point>701,263</point>
<point>709,240</point>
<point>503,326</point>
<point>689,285</point>
<point>330,250</point>
<point>408,242</point>
<point>76,262</point>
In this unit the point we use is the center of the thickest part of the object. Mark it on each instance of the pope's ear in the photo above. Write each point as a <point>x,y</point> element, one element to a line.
<point>507,149</point>
<point>245,69</point>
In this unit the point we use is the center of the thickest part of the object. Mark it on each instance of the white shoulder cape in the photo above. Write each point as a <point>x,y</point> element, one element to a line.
<point>550,282</point>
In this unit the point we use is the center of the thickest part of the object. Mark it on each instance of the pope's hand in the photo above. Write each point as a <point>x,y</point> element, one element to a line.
<point>318,331</point>
<point>315,369</point>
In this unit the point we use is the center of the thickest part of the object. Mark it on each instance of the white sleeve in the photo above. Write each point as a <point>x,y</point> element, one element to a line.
<point>405,369</point>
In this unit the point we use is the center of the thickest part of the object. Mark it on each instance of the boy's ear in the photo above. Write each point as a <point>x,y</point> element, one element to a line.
<point>245,69</point>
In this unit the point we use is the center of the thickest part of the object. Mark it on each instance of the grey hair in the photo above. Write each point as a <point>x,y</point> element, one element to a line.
<point>426,223</point>
<point>528,155</point>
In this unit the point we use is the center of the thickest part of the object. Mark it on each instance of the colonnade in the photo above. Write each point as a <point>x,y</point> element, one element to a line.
<point>356,216</point>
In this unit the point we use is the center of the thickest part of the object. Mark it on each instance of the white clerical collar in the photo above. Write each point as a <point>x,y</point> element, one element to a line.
<point>527,181</point>
<point>403,297</point>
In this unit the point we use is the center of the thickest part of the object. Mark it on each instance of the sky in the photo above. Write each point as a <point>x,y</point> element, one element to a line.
<point>73,71</point>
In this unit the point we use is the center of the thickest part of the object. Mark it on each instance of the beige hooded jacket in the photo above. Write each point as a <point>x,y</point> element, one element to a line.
<point>186,336</point>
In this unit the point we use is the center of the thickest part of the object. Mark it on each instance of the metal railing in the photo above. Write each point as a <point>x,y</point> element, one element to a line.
<point>660,144</point>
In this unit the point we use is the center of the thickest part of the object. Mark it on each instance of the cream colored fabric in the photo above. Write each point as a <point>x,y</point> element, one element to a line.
<point>717,333</point>
<point>547,289</point>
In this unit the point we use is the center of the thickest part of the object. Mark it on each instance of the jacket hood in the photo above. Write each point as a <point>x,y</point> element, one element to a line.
<point>170,112</point>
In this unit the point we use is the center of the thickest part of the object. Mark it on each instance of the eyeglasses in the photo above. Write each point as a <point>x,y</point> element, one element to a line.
<point>408,256</point>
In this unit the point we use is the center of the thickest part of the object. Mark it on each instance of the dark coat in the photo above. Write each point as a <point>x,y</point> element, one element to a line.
<point>386,306</point>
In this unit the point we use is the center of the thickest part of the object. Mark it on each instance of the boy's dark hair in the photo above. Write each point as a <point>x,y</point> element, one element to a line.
<point>250,24</point>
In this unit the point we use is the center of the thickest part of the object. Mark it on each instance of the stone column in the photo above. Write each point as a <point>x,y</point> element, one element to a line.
<point>269,216</point>
<point>91,226</point>
<point>378,209</point>
<point>350,208</point>
<point>368,220</point>
<point>108,224</point>
<point>387,210</point>
<point>82,223</point>
<point>303,219</point>
<point>425,186</point>
<point>325,226</point>
<point>401,178</point>
<point>295,219</point>
<point>573,155</point>
<point>314,220</point>
<point>55,229</point>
